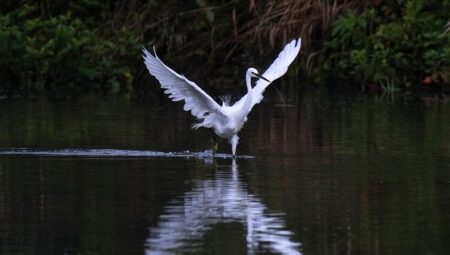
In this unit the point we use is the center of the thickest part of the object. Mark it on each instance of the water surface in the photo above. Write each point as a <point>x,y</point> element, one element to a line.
<point>352,176</point>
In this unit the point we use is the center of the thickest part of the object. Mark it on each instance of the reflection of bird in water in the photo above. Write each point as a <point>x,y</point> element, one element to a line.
<point>223,199</point>
<point>225,120</point>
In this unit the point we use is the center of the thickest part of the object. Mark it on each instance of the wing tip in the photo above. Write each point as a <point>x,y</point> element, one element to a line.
<point>297,42</point>
<point>144,50</point>
<point>148,54</point>
<point>154,51</point>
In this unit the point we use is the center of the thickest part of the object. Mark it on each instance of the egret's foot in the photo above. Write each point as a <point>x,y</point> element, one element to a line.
<point>214,148</point>
<point>215,144</point>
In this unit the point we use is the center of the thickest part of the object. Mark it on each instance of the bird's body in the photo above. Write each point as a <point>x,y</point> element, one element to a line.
<point>226,120</point>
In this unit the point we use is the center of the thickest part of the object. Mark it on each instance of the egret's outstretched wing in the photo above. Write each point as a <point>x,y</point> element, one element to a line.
<point>277,69</point>
<point>180,88</point>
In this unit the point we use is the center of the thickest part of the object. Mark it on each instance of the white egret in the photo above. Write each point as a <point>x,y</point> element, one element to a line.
<point>225,120</point>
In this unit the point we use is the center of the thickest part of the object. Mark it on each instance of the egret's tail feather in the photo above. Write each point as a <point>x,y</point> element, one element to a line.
<point>197,125</point>
<point>226,100</point>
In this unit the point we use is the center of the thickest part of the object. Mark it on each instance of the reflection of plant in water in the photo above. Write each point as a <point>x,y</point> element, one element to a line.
<point>388,85</point>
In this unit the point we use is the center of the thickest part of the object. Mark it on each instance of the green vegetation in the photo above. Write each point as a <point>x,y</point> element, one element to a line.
<point>54,50</point>
<point>63,49</point>
<point>392,44</point>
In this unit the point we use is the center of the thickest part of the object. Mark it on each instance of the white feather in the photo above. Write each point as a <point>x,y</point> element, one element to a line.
<point>277,69</point>
<point>180,88</point>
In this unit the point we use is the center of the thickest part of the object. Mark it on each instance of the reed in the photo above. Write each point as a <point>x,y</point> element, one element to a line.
<point>279,21</point>
<point>234,33</point>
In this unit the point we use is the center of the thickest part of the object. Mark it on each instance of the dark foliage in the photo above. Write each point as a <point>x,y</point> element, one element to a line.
<point>64,49</point>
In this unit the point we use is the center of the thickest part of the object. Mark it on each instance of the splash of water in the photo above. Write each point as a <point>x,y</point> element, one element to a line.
<point>96,153</point>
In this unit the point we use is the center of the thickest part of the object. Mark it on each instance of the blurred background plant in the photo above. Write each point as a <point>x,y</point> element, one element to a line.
<point>64,49</point>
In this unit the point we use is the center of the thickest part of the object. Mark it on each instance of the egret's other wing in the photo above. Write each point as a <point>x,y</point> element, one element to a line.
<point>277,69</point>
<point>180,88</point>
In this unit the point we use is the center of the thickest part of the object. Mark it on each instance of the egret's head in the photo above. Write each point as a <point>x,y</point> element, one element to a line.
<point>252,72</point>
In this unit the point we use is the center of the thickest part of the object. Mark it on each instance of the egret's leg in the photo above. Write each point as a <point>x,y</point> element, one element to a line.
<point>215,144</point>
<point>234,142</point>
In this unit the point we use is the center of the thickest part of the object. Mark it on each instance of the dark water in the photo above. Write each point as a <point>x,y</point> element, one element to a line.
<point>354,176</point>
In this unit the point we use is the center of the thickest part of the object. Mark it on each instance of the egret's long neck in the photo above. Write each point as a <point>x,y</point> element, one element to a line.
<point>248,82</point>
<point>248,101</point>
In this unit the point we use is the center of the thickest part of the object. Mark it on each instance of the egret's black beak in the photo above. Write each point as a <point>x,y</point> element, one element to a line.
<point>260,76</point>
